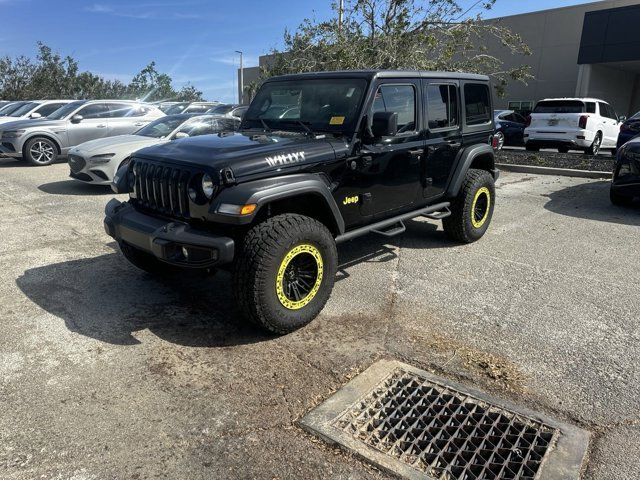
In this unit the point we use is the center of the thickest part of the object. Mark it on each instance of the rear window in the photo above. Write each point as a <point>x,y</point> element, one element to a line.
<point>559,106</point>
<point>477,103</point>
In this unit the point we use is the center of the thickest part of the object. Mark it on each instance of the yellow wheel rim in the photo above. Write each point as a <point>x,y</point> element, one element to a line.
<point>480,207</point>
<point>299,276</point>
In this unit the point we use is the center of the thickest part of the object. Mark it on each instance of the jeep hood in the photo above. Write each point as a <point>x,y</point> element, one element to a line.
<point>245,153</point>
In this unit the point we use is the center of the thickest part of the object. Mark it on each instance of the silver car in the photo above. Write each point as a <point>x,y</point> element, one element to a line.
<point>33,110</point>
<point>42,141</point>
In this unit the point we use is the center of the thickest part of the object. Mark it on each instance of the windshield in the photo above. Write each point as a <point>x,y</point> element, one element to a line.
<point>205,125</point>
<point>221,109</point>
<point>65,111</point>
<point>161,127</point>
<point>330,105</point>
<point>12,107</point>
<point>177,108</point>
<point>24,109</point>
<point>559,106</point>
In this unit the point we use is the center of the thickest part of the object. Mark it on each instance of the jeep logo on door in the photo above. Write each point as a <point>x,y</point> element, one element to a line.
<point>285,159</point>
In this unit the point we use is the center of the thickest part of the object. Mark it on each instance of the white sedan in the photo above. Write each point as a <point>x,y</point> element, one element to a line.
<point>97,161</point>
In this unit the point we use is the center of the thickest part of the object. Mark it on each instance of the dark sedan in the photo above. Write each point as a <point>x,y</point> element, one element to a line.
<point>510,127</point>
<point>625,185</point>
<point>629,129</point>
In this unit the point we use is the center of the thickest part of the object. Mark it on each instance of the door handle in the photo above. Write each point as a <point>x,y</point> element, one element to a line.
<point>102,125</point>
<point>454,144</point>
<point>139,124</point>
<point>416,152</point>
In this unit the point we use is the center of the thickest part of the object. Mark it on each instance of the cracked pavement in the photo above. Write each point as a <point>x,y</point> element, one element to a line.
<point>108,373</point>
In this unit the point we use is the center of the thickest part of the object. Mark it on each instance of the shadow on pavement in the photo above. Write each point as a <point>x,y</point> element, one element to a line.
<point>590,201</point>
<point>107,299</point>
<point>74,187</point>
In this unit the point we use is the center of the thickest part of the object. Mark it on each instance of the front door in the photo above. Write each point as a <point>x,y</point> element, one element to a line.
<point>444,139</point>
<point>94,124</point>
<point>387,170</point>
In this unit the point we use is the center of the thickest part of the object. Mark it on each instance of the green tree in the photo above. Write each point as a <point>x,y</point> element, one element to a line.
<point>402,34</point>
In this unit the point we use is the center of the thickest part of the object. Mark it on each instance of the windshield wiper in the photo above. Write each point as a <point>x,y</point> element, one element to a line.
<point>304,125</point>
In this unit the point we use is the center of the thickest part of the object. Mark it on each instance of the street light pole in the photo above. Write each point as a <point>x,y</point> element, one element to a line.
<point>241,95</point>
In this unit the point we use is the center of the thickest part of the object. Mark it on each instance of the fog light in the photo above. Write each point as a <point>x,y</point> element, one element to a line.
<point>185,253</point>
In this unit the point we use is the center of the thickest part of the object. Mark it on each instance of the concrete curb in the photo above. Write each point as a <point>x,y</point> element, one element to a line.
<point>567,172</point>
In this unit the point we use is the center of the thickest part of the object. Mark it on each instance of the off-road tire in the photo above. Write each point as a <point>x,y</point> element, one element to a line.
<point>531,148</point>
<point>619,200</point>
<point>145,261</point>
<point>595,147</point>
<point>263,252</point>
<point>459,226</point>
<point>47,148</point>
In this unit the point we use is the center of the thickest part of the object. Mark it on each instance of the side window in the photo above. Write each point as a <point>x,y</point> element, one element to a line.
<point>138,111</point>
<point>519,118</point>
<point>590,107</point>
<point>605,110</point>
<point>118,110</point>
<point>477,103</point>
<point>612,112</point>
<point>48,109</point>
<point>95,110</point>
<point>400,99</point>
<point>442,106</point>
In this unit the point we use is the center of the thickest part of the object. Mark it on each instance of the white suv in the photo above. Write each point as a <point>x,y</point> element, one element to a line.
<point>585,124</point>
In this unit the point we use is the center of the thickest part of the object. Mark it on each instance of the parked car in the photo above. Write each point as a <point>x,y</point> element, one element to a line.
<point>587,124</point>
<point>35,109</point>
<point>271,201</point>
<point>629,129</point>
<point>4,102</point>
<point>625,185</point>
<point>164,106</point>
<point>200,107</point>
<point>510,127</point>
<point>176,108</point>
<point>11,107</point>
<point>42,141</point>
<point>97,161</point>
<point>229,110</point>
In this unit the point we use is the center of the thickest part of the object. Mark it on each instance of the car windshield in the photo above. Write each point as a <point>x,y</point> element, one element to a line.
<point>65,111</point>
<point>26,108</point>
<point>161,127</point>
<point>12,107</point>
<point>221,109</point>
<point>559,106</point>
<point>329,105</point>
<point>204,125</point>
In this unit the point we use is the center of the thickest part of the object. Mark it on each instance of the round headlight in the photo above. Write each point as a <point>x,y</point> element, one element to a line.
<point>208,186</point>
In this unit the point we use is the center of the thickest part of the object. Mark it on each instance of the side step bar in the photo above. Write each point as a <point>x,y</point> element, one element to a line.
<point>395,229</point>
<point>439,210</point>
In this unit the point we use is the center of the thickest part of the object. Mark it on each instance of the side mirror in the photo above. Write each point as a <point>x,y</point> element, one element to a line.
<point>385,124</point>
<point>76,118</point>
<point>35,115</point>
<point>622,119</point>
<point>181,135</point>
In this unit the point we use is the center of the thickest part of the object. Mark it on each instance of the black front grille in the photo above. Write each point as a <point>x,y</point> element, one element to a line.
<point>76,163</point>
<point>162,188</point>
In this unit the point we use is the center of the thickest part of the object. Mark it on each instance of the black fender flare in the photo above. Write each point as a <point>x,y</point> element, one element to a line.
<point>264,191</point>
<point>463,163</point>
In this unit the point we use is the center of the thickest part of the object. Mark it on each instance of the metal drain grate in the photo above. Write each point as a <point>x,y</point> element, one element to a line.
<point>416,425</point>
<point>446,433</point>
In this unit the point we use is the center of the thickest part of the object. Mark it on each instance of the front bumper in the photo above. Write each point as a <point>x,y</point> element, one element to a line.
<point>10,148</point>
<point>166,240</point>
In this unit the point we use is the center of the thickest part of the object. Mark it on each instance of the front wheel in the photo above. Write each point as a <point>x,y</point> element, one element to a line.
<point>40,151</point>
<point>285,272</point>
<point>472,209</point>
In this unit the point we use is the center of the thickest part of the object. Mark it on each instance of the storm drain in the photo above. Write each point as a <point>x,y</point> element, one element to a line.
<point>419,426</point>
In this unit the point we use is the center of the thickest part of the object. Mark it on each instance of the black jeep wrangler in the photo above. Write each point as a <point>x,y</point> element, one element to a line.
<point>319,159</point>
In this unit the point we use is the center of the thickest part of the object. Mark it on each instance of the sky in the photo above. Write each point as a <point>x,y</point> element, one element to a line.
<point>192,40</point>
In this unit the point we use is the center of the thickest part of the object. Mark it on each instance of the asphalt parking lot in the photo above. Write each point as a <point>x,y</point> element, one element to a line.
<point>106,372</point>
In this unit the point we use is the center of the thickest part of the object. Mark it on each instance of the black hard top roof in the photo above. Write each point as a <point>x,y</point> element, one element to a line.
<point>371,74</point>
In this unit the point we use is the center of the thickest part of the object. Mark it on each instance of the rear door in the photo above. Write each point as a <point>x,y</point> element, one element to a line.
<point>610,125</point>
<point>123,118</point>
<point>443,136</point>
<point>94,124</point>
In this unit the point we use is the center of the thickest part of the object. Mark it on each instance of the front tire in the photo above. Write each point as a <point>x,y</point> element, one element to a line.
<point>40,151</point>
<point>472,209</point>
<point>285,272</point>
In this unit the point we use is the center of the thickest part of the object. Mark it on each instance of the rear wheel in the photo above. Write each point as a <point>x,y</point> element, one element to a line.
<point>499,140</point>
<point>472,209</point>
<point>595,146</point>
<point>285,272</point>
<point>40,151</point>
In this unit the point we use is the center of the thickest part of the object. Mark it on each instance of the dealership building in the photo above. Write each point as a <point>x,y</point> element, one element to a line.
<point>587,50</point>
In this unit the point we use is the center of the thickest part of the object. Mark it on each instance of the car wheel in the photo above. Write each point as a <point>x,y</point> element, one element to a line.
<point>619,200</point>
<point>499,137</point>
<point>285,272</point>
<point>595,146</point>
<point>145,261</point>
<point>472,209</point>
<point>531,148</point>
<point>40,151</point>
